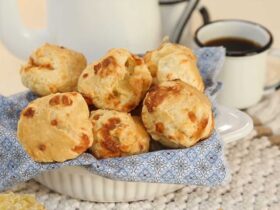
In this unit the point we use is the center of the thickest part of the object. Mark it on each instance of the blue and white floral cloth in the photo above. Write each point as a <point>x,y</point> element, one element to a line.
<point>202,164</point>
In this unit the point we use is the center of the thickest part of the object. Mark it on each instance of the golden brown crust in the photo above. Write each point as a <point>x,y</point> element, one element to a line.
<point>157,94</point>
<point>172,62</point>
<point>117,134</point>
<point>118,81</point>
<point>177,114</point>
<point>29,112</point>
<point>55,127</point>
<point>84,144</point>
<point>52,69</point>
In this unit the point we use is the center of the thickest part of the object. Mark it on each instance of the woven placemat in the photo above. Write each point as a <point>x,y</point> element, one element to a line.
<point>255,184</point>
<point>255,169</point>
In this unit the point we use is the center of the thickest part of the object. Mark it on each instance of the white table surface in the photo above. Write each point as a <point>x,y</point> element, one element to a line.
<point>265,12</point>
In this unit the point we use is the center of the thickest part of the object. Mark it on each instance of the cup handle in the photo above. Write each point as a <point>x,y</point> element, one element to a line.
<point>274,52</point>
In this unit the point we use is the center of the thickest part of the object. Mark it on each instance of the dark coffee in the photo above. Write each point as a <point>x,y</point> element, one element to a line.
<point>234,44</point>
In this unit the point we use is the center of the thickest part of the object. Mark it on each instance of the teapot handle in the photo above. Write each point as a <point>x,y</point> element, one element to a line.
<point>204,14</point>
<point>14,35</point>
<point>185,17</point>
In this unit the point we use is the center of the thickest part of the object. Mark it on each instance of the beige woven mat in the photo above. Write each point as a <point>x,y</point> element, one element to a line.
<point>255,168</point>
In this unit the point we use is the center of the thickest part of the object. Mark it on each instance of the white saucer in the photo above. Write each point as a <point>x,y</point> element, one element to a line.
<point>233,124</point>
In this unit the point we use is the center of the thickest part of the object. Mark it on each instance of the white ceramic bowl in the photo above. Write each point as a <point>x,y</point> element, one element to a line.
<point>78,182</point>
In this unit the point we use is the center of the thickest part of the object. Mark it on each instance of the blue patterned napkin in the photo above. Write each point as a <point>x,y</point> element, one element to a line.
<point>202,164</point>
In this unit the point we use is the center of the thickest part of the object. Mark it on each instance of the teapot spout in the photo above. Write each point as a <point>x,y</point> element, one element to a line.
<point>14,35</point>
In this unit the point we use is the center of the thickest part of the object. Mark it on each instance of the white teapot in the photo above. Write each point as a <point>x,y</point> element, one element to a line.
<point>94,26</point>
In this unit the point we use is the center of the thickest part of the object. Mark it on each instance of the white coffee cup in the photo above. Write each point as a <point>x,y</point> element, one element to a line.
<point>243,73</point>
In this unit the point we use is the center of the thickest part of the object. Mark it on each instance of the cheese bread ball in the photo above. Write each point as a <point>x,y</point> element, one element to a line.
<point>117,134</point>
<point>177,114</point>
<point>11,201</point>
<point>118,81</point>
<point>172,62</point>
<point>55,127</point>
<point>52,69</point>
